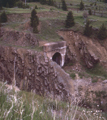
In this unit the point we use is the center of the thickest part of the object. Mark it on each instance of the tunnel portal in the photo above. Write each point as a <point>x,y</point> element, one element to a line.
<point>57,58</point>
<point>56,51</point>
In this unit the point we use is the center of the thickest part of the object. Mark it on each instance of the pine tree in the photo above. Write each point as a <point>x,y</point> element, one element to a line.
<point>64,6</point>
<point>88,29</point>
<point>42,2</point>
<point>35,29</point>
<point>0,5</point>
<point>102,34</point>
<point>90,12</point>
<point>81,5</point>
<point>34,16</point>
<point>0,22</point>
<point>69,22</point>
<point>3,17</point>
<point>36,7</point>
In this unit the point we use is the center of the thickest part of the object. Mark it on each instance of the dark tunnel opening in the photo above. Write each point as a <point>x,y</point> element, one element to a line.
<point>57,58</point>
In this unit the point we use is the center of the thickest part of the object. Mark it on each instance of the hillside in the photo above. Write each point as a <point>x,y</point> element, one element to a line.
<point>24,63</point>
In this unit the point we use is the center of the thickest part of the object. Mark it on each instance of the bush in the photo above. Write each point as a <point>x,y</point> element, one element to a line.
<point>81,5</point>
<point>34,16</point>
<point>64,6</point>
<point>34,21</point>
<point>72,75</point>
<point>20,4</point>
<point>88,29</point>
<point>3,17</point>
<point>70,20</point>
<point>36,7</point>
<point>35,29</point>
<point>89,12</point>
<point>102,34</point>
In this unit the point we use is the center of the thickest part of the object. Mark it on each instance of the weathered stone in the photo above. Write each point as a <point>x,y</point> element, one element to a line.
<point>32,73</point>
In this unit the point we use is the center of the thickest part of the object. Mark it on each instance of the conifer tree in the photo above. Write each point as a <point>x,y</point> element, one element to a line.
<point>0,5</point>
<point>69,22</point>
<point>34,21</point>
<point>35,29</point>
<point>81,5</point>
<point>0,22</point>
<point>3,17</point>
<point>34,16</point>
<point>64,6</point>
<point>90,12</point>
<point>102,34</point>
<point>42,2</point>
<point>88,29</point>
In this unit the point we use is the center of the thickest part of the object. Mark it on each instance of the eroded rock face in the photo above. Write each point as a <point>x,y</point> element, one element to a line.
<point>83,48</point>
<point>18,38</point>
<point>34,71</point>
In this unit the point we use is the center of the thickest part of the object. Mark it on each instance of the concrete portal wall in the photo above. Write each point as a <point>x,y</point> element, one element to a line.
<point>51,48</point>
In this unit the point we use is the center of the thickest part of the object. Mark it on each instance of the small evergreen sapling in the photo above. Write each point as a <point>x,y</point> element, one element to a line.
<point>88,29</point>
<point>35,29</point>
<point>64,6</point>
<point>34,16</point>
<point>34,21</point>
<point>89,12</point>
<point>3,17</point>
<point>102,34</point>
<point>69,22</point>
<point>81,5</point>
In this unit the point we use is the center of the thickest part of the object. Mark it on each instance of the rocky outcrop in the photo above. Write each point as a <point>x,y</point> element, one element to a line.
<point>82,48</point>
<point>18,38</point>
<point>31,70</point>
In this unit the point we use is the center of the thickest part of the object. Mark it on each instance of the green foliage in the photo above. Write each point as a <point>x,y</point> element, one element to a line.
<point>36,7</point>
<point>64,6</point>
<point>35,29</point>
<point>88,29</point>
<point>43,2</point>
<point>94,80</point>
<point>89,12</point>
<point>8,3</point>
<point>50,2</point>
<point>3,17</point>
<point>97,70</point>
<point>0,5</point>
<point>81,5</point>
<point>69,22</point>
<point>20,4</point>
<point>34,16</point>
<point>102,34</point>
<point>72,75</point>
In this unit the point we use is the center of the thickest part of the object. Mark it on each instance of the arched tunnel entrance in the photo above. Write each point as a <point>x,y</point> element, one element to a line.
<point>57,58</point>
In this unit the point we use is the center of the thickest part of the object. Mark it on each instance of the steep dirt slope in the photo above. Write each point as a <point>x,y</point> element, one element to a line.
<point>18,38</point>
<point>81,47</point>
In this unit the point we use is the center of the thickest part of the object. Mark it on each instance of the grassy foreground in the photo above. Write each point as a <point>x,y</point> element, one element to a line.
<point>28,106</point>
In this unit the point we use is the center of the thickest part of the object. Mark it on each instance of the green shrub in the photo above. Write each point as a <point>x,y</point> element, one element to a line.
<point>102,34</point>
<point>3,17</point>
<point>36,7</point>
<point>88,29</point>
<point>89,12</point>
<point>64,6</point>
<point>34,16</point>
<point>20,4</point>
<point>72,75</point>
<point>97,70</point>
<point>35,29</point>
<point>81,5</point>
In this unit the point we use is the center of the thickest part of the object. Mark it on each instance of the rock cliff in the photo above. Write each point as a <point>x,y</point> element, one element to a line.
<point>32,70</point>
<point>90,51</point>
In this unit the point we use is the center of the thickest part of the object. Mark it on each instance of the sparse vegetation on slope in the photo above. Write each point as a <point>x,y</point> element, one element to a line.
<point>28,106</point>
